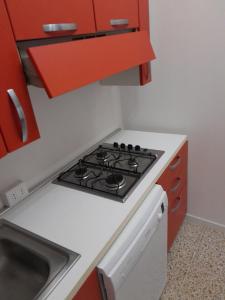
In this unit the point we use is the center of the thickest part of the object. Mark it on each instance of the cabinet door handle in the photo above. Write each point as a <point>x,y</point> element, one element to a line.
<point>119,22</point>
<point>21,115</point>
<point>175,188</point>
<point>176,163</point>
<point>178,203</point>
<point>59,27</point>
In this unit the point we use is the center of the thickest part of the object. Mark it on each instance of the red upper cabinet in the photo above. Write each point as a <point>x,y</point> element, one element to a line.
<point>17,121</point>
<point>116,14</point>
<point>43,19</point>
<point>2,146</point>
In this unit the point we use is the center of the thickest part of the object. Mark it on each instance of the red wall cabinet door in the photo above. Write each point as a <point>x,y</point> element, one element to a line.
<point>90,289</point>
<point>17,121</point>
<point>116,14</point>
<point>3,150</point>
<point>28,18</point>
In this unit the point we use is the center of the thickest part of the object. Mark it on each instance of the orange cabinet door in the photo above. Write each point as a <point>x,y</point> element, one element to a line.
<point>17,121</point>
<point>90,289</point>
<point>116,14</point>
<point>33,19</point>
<point>67,66</point>
<point>2,146</point>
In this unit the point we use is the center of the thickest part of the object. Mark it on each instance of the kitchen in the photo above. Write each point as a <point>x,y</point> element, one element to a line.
<point>185,96</point>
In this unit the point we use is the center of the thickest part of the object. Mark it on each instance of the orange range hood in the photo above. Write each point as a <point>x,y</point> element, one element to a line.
<point>66,66</point>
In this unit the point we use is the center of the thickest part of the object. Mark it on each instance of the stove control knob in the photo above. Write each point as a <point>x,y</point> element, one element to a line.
<point>137,148</point>
<point>130,147</point>
<point>122,146</point>
<point>116,145</point>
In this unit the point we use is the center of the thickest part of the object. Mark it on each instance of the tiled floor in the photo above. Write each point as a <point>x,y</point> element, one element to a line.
<point>196,264</point>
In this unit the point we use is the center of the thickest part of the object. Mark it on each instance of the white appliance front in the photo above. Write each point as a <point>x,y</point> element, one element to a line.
<point>135,267</point>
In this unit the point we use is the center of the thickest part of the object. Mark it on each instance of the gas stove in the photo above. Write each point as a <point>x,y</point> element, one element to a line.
<point>111,170</point>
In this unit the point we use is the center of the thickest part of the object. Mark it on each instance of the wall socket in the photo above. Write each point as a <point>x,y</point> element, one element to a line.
<point>15,195</point>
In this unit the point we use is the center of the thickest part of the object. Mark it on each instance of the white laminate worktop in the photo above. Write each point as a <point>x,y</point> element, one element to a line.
<point>85,223</point>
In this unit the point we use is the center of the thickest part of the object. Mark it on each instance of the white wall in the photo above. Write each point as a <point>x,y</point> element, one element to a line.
<point>68,125</point>
<point>188,94</point>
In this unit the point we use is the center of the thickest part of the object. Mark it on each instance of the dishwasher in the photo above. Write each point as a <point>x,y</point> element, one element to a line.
<point>135,267</point>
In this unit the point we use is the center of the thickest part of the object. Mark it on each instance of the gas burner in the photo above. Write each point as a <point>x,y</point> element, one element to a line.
<point>115,181</point>
<point>133,162</point>
<point>102,155</point>
<point>81,172</point>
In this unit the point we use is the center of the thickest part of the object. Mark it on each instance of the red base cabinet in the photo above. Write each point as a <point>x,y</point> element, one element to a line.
<point>174,182</point>
<point>17,121</point>
<point>90,290</point>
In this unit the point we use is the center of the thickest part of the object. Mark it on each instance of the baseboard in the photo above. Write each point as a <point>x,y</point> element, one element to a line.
<point>205,221</point>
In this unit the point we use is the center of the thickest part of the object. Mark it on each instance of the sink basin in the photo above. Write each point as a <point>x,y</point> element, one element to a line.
<point>30,266</point>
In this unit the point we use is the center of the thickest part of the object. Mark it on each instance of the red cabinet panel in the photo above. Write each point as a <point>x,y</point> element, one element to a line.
<point>66,66</point>
<point>13,78</point>
<point>28,17</point>
<point>90,289</point>
<point>145,69</point>
<point>116,14</point>
<point>2,146</point>
<point>174,182</point>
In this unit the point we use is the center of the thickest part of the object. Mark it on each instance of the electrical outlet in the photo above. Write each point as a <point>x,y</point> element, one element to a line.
<point>15,195</point>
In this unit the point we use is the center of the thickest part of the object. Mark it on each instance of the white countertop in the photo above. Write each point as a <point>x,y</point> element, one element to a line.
<point>85,223</point>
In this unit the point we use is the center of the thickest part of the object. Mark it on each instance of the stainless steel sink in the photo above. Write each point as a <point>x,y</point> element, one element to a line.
<point>30,266</point>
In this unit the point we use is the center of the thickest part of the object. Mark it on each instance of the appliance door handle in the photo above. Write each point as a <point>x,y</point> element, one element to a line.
<point>119,22</point>
<point>175,188</point>
<point>59,27</point>
<point>178,203</point>
<point>176,163</point>
<point>20,112</point>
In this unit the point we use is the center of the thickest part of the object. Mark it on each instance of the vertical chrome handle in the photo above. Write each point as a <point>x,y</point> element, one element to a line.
<point>119,22</point>
<point>177,162</point>
<point>175,188</point>
<point>21,115</point>
<point>59,27</point>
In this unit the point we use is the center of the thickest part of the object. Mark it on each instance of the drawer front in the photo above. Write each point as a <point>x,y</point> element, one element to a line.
<point>116,14</point>
<point>176,214</point>
<point>71,17</point>
<point>179,162</point>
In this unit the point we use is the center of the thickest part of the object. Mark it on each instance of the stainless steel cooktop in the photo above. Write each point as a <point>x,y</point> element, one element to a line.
<point>111,170</point>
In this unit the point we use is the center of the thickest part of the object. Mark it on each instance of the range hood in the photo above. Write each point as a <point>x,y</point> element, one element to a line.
<point>63,67</point>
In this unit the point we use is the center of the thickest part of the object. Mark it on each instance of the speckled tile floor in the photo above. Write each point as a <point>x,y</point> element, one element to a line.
<point>196,264</point>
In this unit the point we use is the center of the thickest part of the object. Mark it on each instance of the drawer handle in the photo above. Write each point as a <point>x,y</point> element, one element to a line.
<point>178,203</point>
<point>119,22</point>
<point>175,188</point>
<point>176,164</point>
<point>59,27</point>
<point>21,115</point>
